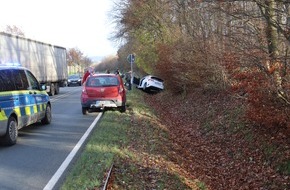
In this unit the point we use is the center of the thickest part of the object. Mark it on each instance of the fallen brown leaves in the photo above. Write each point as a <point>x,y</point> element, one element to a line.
<point>208,145</point>
<point>211,143</point>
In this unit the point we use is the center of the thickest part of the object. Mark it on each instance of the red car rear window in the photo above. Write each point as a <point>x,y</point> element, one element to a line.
<point>102,81</point>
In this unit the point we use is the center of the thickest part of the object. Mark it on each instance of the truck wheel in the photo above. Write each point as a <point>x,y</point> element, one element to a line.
<point>56,89</point>
<point>10,137</point>
<point>52,89</point>
<point>47,117</point>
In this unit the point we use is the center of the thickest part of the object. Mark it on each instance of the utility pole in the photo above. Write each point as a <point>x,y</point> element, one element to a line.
<point>131,60</point>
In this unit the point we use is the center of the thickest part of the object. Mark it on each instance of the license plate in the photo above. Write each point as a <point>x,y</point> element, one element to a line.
<point>100,103</point>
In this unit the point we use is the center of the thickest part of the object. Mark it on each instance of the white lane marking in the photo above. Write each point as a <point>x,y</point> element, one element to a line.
<point>64,165</point>
<point>61,96</point>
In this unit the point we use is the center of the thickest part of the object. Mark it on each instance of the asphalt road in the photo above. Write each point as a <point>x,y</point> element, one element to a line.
<point>41,149</point>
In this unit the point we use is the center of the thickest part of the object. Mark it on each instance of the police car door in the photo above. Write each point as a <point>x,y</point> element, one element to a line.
<point>39,95</point>
<point>25,97</point>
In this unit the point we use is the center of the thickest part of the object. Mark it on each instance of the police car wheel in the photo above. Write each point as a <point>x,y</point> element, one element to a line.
<point>47,118</point>
<point>12,132</point>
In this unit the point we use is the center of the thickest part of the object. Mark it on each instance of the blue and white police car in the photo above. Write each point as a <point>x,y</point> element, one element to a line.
<point>23,101</point>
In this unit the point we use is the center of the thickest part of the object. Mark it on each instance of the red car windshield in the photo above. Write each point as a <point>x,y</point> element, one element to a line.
<point>102,81</point>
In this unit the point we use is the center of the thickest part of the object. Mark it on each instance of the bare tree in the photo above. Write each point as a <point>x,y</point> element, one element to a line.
<point>86,61</point>
<point>74,56</point>
<point>202,32</point>
<point>14,30</point>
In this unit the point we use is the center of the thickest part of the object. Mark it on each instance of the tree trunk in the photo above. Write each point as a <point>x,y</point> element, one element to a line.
<point>273,39</point>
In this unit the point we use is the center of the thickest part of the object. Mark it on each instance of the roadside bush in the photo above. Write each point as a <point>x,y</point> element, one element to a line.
<point>184,67</point>
<point>264,107</point>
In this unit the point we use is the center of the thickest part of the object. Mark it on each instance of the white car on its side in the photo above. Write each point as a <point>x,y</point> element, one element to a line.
<point>151,83</point>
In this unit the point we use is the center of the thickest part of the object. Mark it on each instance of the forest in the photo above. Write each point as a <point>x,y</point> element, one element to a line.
<point>240,46</point>
<point>226,70</point>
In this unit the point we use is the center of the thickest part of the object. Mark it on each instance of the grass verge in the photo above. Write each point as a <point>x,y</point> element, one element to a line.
<point>137,144</point>
<point>105,142</point>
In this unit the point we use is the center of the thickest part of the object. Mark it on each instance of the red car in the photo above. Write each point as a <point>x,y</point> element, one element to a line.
<point>103,91</point>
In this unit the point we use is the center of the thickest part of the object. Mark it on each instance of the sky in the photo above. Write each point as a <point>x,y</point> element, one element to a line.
<point>82,24</point>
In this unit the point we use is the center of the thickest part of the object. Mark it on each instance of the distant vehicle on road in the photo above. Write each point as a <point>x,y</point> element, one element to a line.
<point>151,83</point>
<point>103,91</point>
<point>23,101</point>
<point>74,80</point>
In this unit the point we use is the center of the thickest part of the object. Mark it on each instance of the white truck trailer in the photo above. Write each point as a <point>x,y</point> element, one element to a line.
<point>47,62</point>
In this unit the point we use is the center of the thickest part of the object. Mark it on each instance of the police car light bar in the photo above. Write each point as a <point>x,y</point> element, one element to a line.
<point>10,64</point>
